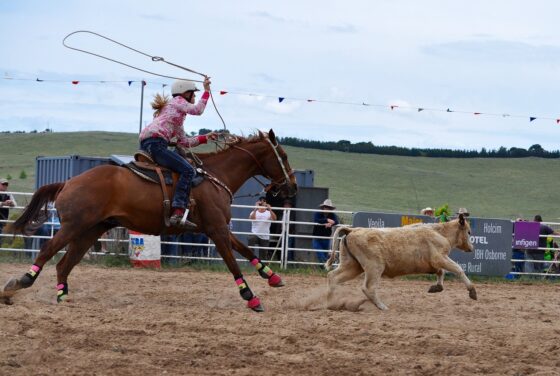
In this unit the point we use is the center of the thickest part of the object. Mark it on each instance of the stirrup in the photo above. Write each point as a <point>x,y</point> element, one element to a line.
<point>178,221</point>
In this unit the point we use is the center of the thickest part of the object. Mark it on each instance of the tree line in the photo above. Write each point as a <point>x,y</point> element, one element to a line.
<point>369,148</point>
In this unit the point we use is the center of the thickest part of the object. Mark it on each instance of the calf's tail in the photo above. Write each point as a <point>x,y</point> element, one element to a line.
<point>339,234</point>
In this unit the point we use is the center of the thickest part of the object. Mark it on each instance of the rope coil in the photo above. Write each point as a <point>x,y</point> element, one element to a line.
<point>152,58</point>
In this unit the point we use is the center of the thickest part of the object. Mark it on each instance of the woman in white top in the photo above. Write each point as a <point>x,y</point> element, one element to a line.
<point>260,227</point>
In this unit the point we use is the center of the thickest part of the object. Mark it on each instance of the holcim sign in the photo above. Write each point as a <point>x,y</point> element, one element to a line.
<point>491,239</point>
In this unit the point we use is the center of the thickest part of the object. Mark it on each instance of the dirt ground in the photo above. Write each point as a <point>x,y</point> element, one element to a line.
<point>187,322</point>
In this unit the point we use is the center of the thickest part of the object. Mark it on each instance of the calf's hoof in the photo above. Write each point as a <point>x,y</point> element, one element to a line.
<point>435,288</point>
<point>472,294</point>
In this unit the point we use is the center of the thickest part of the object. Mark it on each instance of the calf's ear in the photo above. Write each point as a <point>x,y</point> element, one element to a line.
<point>461,219</point>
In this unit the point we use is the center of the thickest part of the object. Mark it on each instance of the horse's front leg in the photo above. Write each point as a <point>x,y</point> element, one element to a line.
<point>222,240</point>
<point>264,270</point>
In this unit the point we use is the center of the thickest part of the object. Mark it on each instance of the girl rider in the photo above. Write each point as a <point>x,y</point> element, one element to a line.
<point>167,125</point>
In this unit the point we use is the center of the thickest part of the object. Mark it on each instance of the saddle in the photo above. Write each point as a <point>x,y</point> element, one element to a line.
<point>144,166</point>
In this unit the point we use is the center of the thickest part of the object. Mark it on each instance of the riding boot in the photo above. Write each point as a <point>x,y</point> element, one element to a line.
<point>179,219</point>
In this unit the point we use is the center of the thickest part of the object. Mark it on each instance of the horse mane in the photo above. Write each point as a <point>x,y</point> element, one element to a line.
<point>238,140</point>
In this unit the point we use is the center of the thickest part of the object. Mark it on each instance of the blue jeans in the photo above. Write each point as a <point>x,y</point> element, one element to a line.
<point>157,147</point>
<point>322,244</point>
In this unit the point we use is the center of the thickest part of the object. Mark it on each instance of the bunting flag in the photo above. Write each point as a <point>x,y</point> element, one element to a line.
<point>391,107</point>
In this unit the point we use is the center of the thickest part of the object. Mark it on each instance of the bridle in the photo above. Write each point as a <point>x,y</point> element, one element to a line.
<point>275,185</point>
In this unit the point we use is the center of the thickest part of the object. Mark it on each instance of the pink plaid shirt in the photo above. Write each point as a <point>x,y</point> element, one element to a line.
<point>169,123</point>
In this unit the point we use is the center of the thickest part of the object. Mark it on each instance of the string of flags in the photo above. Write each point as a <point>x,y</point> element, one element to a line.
<point>391,107</point>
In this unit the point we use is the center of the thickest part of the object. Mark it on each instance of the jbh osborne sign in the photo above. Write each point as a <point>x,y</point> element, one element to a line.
<point>491,239</point>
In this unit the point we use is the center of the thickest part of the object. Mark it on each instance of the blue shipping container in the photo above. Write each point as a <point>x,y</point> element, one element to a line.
<point>50,170</point>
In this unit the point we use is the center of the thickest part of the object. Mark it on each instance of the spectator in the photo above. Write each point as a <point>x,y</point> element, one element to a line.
<point>538,254</point>
<point>463,211</point>
<point>427,211</point>
<point>7,201</point>
<point>325,221</point>
<point>193,250</point>
<point>276,228</point>
<point>260,227</point>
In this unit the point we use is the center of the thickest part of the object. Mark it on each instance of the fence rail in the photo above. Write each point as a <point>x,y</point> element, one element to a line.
<point>288,247</point>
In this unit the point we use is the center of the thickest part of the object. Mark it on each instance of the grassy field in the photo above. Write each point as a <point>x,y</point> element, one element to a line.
<point>498,188</point>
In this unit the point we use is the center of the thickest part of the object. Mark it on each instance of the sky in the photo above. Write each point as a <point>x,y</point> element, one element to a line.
<point>494,57</point>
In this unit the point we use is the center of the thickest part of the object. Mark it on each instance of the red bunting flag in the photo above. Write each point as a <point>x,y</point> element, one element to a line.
<point>223,92</point>
<point>393,107</point>
<point>280,99</point>
<point>130,82</point>
<point>557,121</point>
<point>75,82</point>
<point>532,118</point>
<point>420,109</point>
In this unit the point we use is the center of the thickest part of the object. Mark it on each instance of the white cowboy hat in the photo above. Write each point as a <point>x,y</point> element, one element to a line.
<point>463,211</point>
<point>328,204</point>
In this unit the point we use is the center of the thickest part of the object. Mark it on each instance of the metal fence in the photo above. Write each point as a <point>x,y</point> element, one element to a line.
<point>291,243</point>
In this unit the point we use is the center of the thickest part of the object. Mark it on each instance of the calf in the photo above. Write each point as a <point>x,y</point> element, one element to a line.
<point>391,252</point>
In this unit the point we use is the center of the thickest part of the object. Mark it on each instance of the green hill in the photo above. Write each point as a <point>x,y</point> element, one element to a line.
<point>499,188</point>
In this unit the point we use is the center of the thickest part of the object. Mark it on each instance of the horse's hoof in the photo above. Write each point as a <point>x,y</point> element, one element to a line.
<point>472,294</point>
<point>255,304</point>
<point>435,288</point>
<point>275,281</point>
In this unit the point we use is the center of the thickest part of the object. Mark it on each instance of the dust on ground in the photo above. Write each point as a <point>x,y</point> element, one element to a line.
<point>187,322</point>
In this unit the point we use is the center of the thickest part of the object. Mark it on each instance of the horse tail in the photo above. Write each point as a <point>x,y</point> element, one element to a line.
<point>30,218</point>
<point>340,232</point>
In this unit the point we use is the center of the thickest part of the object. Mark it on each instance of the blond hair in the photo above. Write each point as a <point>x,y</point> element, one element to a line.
<point>159,103</point>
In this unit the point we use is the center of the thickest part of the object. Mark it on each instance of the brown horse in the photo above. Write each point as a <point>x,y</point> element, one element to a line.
<point>108,196</point>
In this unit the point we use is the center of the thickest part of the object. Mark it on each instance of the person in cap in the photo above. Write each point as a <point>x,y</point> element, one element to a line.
<point>463,211</point>
<point>7,201</point>
<point>325,221</point>
<point>166,126</point>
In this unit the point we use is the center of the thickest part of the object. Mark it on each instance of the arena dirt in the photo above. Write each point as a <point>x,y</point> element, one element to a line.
<point>186,322</point>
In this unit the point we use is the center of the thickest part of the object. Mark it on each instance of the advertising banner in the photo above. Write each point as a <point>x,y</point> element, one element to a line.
<point>526,235</point>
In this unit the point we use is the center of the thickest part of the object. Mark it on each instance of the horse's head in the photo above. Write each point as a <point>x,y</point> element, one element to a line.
<point>273,164</point>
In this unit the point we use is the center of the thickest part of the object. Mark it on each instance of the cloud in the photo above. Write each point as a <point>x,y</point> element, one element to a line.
<point>269,17</point>
<point>495,51</point>
<point>346,28</point>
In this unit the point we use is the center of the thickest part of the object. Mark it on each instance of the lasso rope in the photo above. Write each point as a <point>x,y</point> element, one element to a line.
<point>152,57</point>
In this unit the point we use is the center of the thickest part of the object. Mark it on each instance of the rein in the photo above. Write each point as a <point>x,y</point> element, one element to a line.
<point>278,158</point>
<point>152,57</point>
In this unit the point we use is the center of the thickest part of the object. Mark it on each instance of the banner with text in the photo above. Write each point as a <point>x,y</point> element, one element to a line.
<point>526,235</point>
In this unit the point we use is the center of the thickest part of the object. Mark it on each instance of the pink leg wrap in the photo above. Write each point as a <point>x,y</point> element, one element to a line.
<point>253,302</point>
<point>274,280</point>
